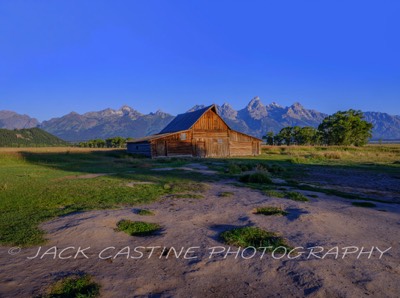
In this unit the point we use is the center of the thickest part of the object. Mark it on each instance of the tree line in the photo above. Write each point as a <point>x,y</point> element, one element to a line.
<point>344,128</point>
<point>115,142</point>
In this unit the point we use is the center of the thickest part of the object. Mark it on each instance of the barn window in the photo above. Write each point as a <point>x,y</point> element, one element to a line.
<point>137,147</point>
<point>219,141</point>
<point>183,136</point>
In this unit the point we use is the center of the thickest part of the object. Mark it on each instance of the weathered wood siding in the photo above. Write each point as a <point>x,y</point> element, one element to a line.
<point>210,121</point>
<point>242,145</point>
<point>139,148</point>
<point>214,147</point>
<point>174,145</point>
<point>210,136</point>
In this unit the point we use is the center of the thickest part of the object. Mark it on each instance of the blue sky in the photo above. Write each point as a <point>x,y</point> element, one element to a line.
<point>62,56</point>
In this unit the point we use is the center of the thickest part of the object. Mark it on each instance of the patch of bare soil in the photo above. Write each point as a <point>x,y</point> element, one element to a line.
<point>134,183</point>
<point>193,167</point>
<point>368,183</point>
<point>326,221</point>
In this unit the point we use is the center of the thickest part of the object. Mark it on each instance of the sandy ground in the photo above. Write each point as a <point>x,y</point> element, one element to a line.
<point>325,221</point>
<point>368,183</point>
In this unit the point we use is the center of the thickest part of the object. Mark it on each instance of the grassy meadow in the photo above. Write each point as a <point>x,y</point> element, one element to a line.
<point>366,156</point>
<point>38,184</point>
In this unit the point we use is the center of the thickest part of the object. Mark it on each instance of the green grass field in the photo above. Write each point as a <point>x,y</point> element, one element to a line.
<point>39,184</point>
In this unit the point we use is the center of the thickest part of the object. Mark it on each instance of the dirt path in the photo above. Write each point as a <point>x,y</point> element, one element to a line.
<point>324,221</point>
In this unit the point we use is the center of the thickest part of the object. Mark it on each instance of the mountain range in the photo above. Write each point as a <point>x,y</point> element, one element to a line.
<point>12,120</point>
<point>255,119</point>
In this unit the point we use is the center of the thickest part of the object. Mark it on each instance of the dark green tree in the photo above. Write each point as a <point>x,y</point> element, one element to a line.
<point>306,136</point>
<point>345,128</point>
<point>269,138</point>
<point>285,135</point>
<point>116,142</point>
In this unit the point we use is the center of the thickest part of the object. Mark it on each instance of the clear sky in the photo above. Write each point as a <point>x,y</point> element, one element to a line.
<point>63,56</point>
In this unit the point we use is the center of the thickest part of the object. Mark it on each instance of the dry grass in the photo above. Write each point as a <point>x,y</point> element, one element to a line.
<point>380,154</point>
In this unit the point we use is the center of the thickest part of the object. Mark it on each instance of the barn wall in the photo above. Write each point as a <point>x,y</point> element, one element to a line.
<point>213,138</point>
<point>210,121</point>
<point>242,145</point>
<point>211,147</point>
<point>173,145</point>
<point>240,148</point>
<point>139,148</point>
<point>210,136</point>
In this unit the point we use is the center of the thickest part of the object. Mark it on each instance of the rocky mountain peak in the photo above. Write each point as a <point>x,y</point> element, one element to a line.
<point>256,101</point>
<point>256,109</point>
<point>297,111</point>
<point>297,106</point>
<point>160,113</point>
<point>126,108</point>
<point>12,120</point>
<point>274,105</point>
<point>226,111</point>
<point>195,108</point>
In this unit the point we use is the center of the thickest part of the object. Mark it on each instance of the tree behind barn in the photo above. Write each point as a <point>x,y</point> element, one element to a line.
<point>345,128</point>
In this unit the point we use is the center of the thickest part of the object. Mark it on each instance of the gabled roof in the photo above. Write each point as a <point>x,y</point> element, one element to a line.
<point>187,120</point>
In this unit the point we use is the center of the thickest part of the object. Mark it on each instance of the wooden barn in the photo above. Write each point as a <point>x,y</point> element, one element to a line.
<point>202,133</point>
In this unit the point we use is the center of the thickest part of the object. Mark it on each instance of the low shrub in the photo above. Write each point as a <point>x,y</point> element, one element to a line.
<point>225,194</point>
<point>145,212</point>
<point>257,177</point>
<point>239,167</point>
<point>270,211</point>
<point>273,193</point>
<point>296,196</point>
<point>233,169</point>
<point>253,236</point>
<point>74,286</point>
<point>138,228</point>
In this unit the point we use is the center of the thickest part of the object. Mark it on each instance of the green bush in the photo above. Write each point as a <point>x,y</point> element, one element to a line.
<point>257,177</point>
<point>296,196</point>
<point>233,169</point>
<point>74,286</point>
<point>252,236</point>
<point>270,211</point>
<point>225,194</point>
<point>274,193</point>
<point>145,212</point>
<point>138,228</point>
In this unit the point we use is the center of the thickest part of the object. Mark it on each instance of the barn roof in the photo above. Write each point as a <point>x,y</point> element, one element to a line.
<point>186,121</point>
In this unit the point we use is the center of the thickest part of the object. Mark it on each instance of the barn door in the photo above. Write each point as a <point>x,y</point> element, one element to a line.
<point>255,148</point>
<point>219,147</point>
<point>200,149</point>
<point>161,148</point>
